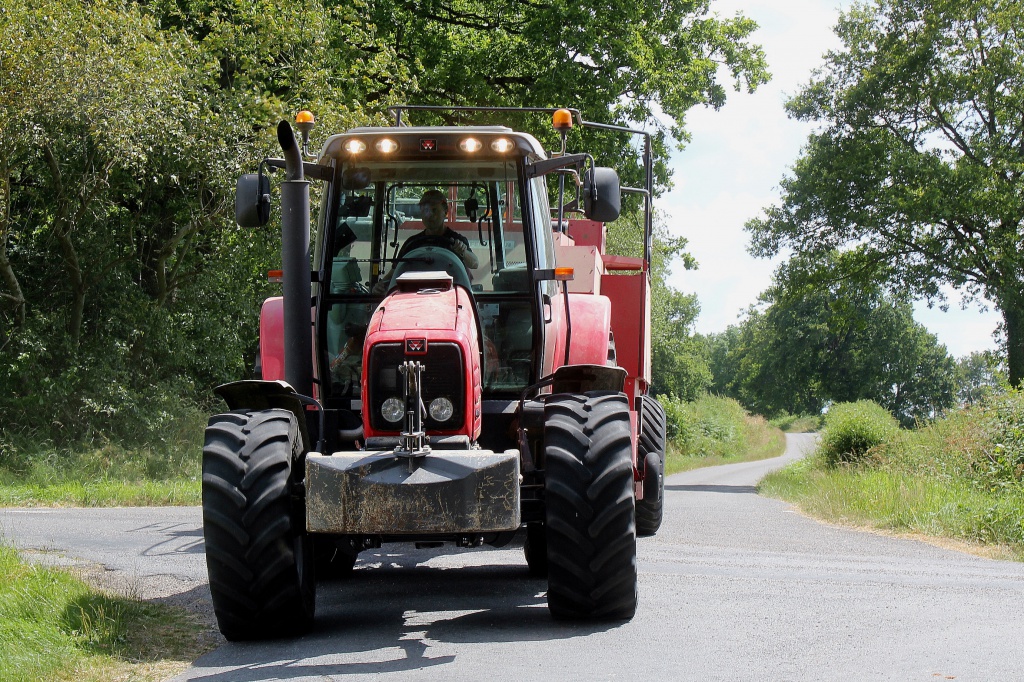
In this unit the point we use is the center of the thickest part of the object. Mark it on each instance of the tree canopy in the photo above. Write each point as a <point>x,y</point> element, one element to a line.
<point>618,61</point>
<point>917,165</point>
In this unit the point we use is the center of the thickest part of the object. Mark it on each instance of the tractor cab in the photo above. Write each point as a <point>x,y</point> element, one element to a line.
<point>373,233</point>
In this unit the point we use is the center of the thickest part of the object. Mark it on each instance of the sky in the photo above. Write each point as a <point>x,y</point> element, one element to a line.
<point>732,167</point>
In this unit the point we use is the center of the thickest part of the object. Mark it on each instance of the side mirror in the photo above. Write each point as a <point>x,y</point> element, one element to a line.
<point>602,200</point>
<point>252,200</point>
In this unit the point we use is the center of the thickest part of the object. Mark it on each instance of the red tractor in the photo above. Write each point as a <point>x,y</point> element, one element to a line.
<point>460,364</point>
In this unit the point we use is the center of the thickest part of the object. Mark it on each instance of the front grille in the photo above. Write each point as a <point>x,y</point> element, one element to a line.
<point>443,376</point>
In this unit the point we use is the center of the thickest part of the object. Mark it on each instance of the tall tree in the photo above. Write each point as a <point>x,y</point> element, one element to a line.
<point>825,339</point>
<point>919,160</point>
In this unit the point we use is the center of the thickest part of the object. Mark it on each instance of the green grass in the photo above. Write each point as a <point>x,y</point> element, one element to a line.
<point>711,431</point>
<point>163,471</point>
<point>180,492</point>
<point>958,478</point>
<point>55,627</point>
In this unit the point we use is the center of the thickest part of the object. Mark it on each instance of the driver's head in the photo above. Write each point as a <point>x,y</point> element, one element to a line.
<point>433,210</point>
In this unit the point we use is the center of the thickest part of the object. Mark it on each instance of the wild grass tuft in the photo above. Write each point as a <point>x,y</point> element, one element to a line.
<point>853,429</point>
<point>158,469</point>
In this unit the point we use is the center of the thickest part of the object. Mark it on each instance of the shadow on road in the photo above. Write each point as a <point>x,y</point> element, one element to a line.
<point>177,538</point>
<point>741,489</point>
<point>395,614</point>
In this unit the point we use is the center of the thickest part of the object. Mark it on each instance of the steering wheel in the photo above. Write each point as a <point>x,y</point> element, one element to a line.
<point>424,240</point>
<point>434,258</point>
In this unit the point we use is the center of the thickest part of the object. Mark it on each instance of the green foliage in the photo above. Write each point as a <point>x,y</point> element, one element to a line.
<point>53,626</point>
<point>853,429</point>
<point>1002,418</point>
<point>917,163</point>
<point>622,62</point>
<point>979,376</point>
<point>824,338</point>
<point>712,430</point>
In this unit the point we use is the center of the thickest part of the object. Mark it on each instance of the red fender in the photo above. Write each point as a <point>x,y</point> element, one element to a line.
<point>272,339</point>
<point>591,320</point>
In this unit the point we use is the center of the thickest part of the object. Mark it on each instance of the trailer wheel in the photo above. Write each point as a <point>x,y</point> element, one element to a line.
<point>591,533</point>
<point>536,549</point>
<point>259,558</point>
<point>651,451</point>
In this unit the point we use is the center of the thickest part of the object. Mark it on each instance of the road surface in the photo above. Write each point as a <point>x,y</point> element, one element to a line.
<point>734,587</point>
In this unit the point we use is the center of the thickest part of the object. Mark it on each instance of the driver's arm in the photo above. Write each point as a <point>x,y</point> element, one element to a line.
<point>465,253</point>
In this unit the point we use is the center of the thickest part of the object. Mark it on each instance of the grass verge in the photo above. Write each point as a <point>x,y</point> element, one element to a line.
<point>55,627</point>
<point>958,478</point>
<point>711,431</point>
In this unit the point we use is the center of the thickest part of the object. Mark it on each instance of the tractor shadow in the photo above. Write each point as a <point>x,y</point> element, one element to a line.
<point>404,610</point>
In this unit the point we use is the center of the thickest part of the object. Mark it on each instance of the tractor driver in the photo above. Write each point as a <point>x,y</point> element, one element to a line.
<point>433,211</point>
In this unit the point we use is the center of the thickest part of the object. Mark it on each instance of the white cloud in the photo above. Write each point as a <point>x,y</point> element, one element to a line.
<point>731,171</point>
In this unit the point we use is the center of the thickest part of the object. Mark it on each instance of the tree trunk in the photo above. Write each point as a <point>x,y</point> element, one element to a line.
<point>1013,318</point>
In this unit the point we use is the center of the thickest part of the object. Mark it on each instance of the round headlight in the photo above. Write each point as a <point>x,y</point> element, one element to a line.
<point>393,410</point>
<point>441,409</point>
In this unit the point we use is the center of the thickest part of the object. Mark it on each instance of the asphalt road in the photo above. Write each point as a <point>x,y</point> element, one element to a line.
<point>734,587</point>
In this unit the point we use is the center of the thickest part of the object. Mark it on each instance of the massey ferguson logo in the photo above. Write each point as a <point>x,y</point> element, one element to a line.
<point>415,346</point>
<point>428,145</point>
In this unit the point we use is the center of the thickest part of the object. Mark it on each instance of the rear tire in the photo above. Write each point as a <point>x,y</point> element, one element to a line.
<point>259,558</point>
<point>651,451</point>
<point>591,533</point>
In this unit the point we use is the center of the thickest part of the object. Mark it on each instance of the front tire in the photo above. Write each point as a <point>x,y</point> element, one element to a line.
<point>259,558</point>
<point>591,533</point>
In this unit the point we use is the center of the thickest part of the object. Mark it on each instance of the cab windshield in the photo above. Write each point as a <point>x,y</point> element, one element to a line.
<point>385,211</point>
<point>484,212</point>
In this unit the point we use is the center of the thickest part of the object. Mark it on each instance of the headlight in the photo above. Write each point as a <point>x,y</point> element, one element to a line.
<point>393,410</point>
<point>441,409</point>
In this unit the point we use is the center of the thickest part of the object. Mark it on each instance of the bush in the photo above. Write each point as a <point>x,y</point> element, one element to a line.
<point>1002,418</point>
<point>853,429</point>
<point>797,423</point>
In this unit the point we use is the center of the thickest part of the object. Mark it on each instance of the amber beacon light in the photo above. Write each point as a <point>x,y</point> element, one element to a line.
<point>561,119</point>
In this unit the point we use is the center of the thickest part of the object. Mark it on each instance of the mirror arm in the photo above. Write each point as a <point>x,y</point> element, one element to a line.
<point>550,165</point>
